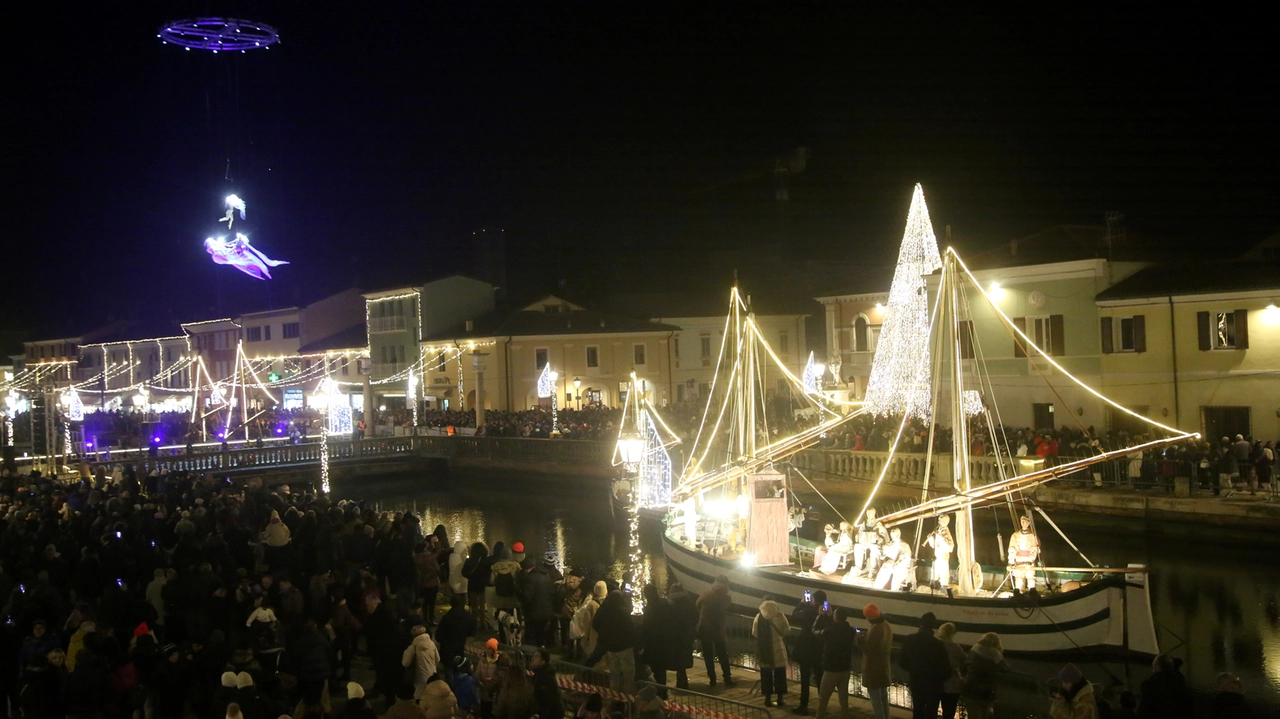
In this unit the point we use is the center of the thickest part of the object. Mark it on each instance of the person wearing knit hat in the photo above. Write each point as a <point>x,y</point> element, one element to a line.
<point>229,680</point>
<point>600,591</point>
<point>354,691</point>
<point>1075,698</point>
<point>876,644</point>
<point>491,644</point>
<point>233,711</point>
<point>926,660</point>
<point>244,680</point>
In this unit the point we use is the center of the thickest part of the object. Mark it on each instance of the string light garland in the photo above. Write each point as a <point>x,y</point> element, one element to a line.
<point>896,385</point>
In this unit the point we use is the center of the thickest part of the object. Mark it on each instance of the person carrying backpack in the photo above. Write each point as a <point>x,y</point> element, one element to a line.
<point>505,579</point>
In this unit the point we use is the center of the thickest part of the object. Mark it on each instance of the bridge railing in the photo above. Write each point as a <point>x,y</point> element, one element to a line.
<point>580,452</point>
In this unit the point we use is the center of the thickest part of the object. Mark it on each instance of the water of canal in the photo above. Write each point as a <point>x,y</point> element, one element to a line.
<point>1215,593</point>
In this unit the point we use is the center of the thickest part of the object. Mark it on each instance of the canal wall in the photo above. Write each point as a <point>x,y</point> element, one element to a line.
<point>837,473</point>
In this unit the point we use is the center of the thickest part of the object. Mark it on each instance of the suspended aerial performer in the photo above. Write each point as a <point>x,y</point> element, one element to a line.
<point>234,203</point>
<point>898,563</point>
<point>241,255</point>
<point>943,545</point>
<point>1024,552</point>
<point>872,537</point>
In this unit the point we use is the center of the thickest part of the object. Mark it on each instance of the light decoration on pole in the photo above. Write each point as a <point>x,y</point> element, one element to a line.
<point>337,423</point>
<point>655,466</point>
<point>900,380</point>
<point>812,377</point>
<point>547,388</point>
<point>75,407</point>
<point>411,395</point>
<point>643,439</point>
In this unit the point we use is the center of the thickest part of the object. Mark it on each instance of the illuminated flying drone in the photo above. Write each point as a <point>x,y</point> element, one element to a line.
<point>234,203</point>
<point>241,255</point>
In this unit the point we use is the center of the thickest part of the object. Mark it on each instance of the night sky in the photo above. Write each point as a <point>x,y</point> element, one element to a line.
<point>616,148</point>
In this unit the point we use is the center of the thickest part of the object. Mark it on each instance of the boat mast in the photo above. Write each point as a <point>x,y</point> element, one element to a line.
<point>959,436</point>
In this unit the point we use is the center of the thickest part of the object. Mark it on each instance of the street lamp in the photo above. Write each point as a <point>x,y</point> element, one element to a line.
<point>577,391</point>
<point>630,447</point>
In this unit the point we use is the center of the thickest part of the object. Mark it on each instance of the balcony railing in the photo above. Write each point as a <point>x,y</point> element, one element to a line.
<point>388,324</point>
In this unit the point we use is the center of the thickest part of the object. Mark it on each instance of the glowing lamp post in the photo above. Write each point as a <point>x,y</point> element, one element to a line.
<point>577,391</point>
<point>630,447</point>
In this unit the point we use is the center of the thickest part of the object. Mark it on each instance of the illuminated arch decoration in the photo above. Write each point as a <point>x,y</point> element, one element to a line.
<point>218,34</point>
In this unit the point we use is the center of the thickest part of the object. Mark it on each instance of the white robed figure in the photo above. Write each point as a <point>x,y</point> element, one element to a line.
<point>898,563</point>
<point>1024,552</point>
<point>234,204</point>
<point>872,537</point>
<point>943,545</point>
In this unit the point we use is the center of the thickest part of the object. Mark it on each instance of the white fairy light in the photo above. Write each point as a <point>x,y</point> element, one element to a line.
<point>411,395</point>
<point>75,408</point>
<point>812,377</point>
<point>971,400</point>
<point>655,467</point>
<point>547,388</point>
<point>899,380</point>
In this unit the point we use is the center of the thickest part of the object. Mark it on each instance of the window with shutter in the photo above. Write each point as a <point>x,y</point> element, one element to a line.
<point>1057,337</point>
<point>1019,350</point>
<point>966,339</point>
<point>1202,330</point>
<point>1139,333</point>
<point>1108,341</point>
<point>1242,329</point>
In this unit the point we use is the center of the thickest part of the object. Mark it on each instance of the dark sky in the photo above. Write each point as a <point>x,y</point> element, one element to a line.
<point>377,137</point>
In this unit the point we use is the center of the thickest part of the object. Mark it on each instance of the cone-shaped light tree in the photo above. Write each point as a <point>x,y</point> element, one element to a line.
<point>900,372</point>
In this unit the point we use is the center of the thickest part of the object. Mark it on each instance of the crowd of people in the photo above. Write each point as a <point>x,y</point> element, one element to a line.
<point>186,595</point>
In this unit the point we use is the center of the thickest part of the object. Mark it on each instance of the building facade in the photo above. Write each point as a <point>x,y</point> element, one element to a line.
<point>1197,348</point>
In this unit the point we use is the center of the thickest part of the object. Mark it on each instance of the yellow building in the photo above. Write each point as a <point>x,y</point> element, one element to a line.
<point>1197,347</point>
<point>598,350</point>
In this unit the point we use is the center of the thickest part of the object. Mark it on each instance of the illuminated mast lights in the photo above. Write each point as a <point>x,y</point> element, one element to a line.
<point>547,388</point>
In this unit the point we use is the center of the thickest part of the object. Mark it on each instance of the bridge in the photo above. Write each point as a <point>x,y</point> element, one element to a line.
<point>367,451</point>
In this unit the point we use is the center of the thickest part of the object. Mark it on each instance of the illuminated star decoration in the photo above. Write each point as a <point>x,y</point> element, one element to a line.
<point>234,204</point>
<point>241,255</point>
<point>899,380</point>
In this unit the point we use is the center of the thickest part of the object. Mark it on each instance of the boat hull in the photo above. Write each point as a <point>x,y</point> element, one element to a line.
<point>1112,616</point>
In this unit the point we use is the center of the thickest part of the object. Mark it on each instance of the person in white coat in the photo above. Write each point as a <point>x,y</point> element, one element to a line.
<point>458,582</point>
<point>423,656</point>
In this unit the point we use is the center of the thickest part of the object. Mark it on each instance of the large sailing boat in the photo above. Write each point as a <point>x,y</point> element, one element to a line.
<point>733,514</point>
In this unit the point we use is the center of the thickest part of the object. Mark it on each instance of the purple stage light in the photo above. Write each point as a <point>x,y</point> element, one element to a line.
<point>219,33</point>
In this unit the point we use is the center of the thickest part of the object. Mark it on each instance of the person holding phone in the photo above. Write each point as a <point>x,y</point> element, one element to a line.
<point>810,619</point>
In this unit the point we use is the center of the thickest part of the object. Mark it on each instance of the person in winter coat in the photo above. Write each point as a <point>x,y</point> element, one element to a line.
<point>357,707</point>
<point>569,596</point>
<point>1165,693</point>
<point>488,675</point>
<point>505,577</point>
<point>37,646</point>
<point>475,570</point>
<point>437,699</point>
<point>423,657</point>
<point>277,537</point>
<point>618,639</point>
<point>684,632</point>
<point>877,674</point>
<point>581,629</point>
<point>657,636</point>
<point>538,594</point>
<point>546,690</point>
<point>1076,699</point>
<point>1230,701</point>
<point>465,688</point>
<point>405,707</point>
<point>313,661</point>
<point>456,626</point>
<point>985,661</point>
<point>457,582</point>
<point>955,681</point>
<point>713,608</point>
<point>808,648</point>
<point>771,629</point>
<point>515,699</point>
<point>426,562</point>
<point>925,658</point>
<point>837,659</point>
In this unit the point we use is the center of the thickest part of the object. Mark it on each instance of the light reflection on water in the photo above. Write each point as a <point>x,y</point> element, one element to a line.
<point>1214,598</point>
